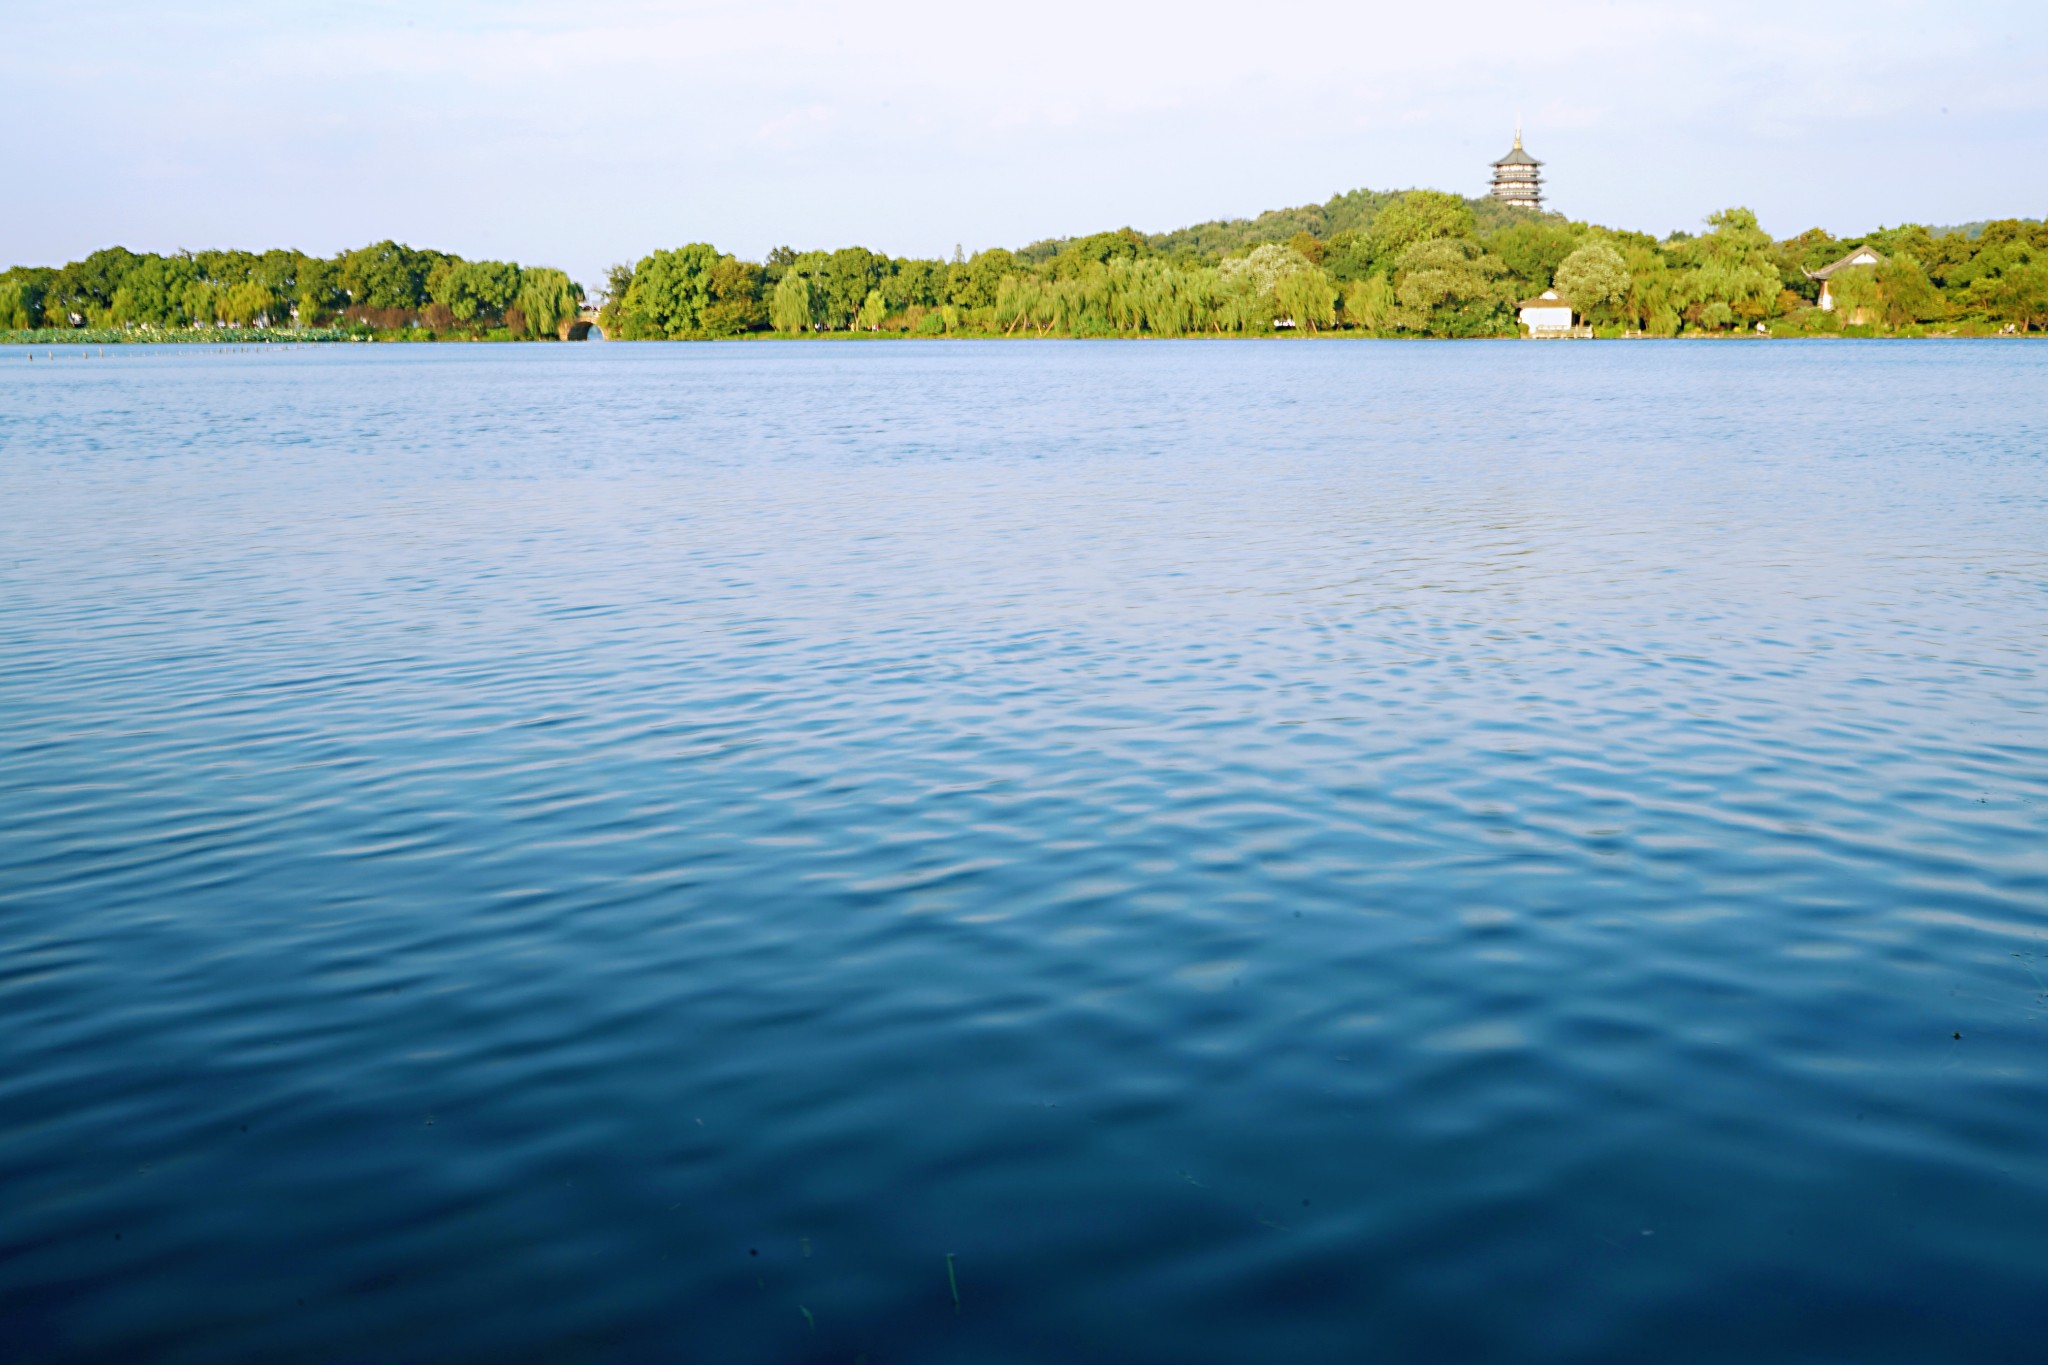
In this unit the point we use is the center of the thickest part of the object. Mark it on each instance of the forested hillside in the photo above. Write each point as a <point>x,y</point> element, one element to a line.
<point>1413,263</point>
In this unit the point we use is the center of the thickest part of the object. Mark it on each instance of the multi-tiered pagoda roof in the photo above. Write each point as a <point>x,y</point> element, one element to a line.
<point>1516,179</point>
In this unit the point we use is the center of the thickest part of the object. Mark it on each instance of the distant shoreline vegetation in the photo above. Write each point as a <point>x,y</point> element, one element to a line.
<point>186,336</point>
<point>1416,263</point>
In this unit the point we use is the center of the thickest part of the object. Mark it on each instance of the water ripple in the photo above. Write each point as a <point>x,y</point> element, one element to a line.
<point>634,852</point>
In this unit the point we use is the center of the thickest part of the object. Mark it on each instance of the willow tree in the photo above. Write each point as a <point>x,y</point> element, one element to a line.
<point>247,303</point>
<point>873,309</point>
<point>548,298</point>
<point>1732,275</point>
<point>1252,286</point>
<point>1651,300</point>
<point>1016,295</point>
<point>1308,297</point>
<point>1065,305</point>
<point>1370,303</point>
<point>21,305</point>
<point>198,303</point>
<point>790,309</point>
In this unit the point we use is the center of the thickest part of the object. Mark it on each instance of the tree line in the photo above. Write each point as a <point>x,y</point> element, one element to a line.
<point>1414,263</point>
<point>1418,263</point>
<point>384,287</point>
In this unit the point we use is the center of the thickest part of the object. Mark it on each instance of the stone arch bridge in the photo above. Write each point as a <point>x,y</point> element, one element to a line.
<point>580,327</point>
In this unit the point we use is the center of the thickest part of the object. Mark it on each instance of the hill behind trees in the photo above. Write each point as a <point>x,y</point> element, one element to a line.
<point>1383,263</point>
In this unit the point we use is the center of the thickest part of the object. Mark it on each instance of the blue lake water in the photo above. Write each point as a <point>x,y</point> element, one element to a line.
<point>1280,851</point>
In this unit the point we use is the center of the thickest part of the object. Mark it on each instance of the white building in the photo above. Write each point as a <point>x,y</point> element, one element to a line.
<point>1547,315</point>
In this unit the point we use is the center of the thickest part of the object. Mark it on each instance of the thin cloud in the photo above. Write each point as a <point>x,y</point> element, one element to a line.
<point>753,124</point>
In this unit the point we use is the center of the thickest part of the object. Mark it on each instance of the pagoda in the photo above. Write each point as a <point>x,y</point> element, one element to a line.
<point>1516,181</point>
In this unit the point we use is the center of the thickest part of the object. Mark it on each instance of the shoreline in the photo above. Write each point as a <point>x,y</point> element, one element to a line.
<point>92,338</point>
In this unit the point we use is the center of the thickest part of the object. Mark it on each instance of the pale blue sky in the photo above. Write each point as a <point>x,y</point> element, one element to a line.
<point>576,134</point>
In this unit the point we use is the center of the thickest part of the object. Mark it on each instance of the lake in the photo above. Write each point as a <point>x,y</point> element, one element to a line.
<point>979,852</point>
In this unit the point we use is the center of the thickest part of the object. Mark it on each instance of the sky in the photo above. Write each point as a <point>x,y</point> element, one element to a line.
<point>579,134</point>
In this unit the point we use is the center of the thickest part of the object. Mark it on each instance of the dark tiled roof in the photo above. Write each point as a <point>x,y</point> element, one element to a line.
<point>1845,263</point>
<point>1518,157</point>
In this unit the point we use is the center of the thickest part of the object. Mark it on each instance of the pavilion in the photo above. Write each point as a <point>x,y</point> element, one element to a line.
<point>1547,315</point>
<point>1862,255</point>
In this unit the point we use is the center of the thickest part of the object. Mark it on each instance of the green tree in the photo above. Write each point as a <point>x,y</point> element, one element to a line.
<point>1895,293</point>
<point>736,304</point>
<point>386,275</point>
<point>842,284</point>
<point>475,289</point>
<point>278,272</point>
<point>1369,303</point>
<point>1145,294</point>
<point>1593,278</point>
<point>1652,285</point>
<point>152,292</point>
<point>84,290</point>
<point>198,304</point>
<point>974,284</point>
<point>1099,248</point>
<point>669,293</point>
<point>247,303</point>
<point>317,291</point>
<point>1533,249</point>
<point>1309,297</point>
<point>2018,295</point>
<point>21,303</point>
<point>1066,304</point>
<point>1251,286</point>
<point>1810,250</point>
<point>618,283</point>
<point>1349,256</point>
<point>1308,246</point>
<point>872,310</point>
<point>915,284</point>
<point>1855,294</point>
<point>546,300</point>
<point>1418,216</point>
<point>790,310</point>
<point>1449,287</point>
<point>1995,278</point>
<point>1732,276</point>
